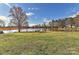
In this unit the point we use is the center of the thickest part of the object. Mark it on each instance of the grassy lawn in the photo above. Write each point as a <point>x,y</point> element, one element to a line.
<point>50,43</point>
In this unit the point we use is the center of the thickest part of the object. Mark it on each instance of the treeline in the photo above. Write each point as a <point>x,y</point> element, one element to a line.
<point>66,24</point>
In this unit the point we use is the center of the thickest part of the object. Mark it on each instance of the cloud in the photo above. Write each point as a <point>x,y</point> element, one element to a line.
<point>32,8</point>
<point>32,24</point>
<point>10,5</point>
<point>29,14</point>
<point>7,4</point>
<point>29,8</point>
<point>46,20</point>
<point>74,15</point>
<point>5,19</point>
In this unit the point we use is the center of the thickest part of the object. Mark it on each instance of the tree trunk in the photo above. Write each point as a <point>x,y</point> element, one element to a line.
<point>19,30</point>
<point>71,27</point>
<point>19,26</point>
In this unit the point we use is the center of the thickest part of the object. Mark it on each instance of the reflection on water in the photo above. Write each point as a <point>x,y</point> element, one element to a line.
<point>22,30</point>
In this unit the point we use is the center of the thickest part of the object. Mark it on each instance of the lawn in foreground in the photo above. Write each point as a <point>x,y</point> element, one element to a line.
<point>50,43</point>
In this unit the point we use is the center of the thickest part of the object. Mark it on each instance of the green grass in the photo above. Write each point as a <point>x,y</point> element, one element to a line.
<point>50,43</point>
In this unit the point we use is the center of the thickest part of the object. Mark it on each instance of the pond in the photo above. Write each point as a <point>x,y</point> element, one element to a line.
<point>22,30</point>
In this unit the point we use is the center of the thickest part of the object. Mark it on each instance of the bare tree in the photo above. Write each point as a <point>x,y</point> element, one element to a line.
<point>44,26</point>
<point>51,24</point>
<point>19,17</point>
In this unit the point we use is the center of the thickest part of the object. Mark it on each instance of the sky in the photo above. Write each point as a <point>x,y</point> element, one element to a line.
<point>41,12</point>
